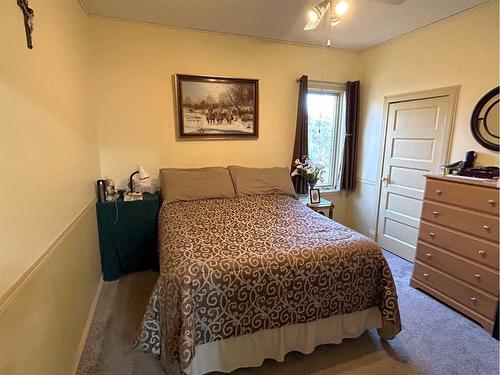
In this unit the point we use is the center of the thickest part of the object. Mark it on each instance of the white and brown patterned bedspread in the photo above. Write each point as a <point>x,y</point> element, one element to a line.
<point>231,267</point>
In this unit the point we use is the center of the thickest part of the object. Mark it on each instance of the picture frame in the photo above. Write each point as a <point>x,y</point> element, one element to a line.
<point>217,107</point>
<point>314,196</point>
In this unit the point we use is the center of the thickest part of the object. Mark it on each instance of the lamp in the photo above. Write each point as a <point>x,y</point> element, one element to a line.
<point>142,173</point>
<point>142,177</point>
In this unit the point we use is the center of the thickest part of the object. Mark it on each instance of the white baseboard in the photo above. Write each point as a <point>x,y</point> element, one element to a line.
<point>88,323</point>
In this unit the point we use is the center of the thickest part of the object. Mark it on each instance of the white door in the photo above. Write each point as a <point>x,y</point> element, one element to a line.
<point>416,143</point>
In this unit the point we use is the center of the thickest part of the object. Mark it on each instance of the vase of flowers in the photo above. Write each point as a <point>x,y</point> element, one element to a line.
<point>310,172</point>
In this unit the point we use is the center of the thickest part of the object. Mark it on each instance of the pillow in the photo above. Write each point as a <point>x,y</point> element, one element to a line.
<point>196,183</point>
<point>249,181</point>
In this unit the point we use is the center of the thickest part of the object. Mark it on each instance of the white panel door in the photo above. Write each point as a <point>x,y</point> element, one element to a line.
<point>416,143</point>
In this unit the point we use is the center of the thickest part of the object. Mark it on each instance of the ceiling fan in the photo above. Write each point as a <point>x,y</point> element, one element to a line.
<point>335,9</point>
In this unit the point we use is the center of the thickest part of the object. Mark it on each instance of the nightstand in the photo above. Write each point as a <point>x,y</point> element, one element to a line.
<point>128,235</point>
<point>325,207</point>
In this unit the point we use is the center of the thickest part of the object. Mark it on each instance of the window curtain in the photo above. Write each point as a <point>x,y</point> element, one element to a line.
<point>300,147</point>
<point>348,174</point>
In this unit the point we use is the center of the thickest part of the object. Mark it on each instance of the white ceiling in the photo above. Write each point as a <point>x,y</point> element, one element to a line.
<point>368,22</point>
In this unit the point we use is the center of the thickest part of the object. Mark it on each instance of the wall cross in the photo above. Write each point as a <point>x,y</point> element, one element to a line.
<point>28,20</point>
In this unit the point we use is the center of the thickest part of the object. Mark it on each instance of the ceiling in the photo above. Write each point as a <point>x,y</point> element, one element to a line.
<point>367,23</point>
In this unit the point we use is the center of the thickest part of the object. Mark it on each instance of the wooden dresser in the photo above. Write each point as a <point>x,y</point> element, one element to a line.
<point>457,248</point>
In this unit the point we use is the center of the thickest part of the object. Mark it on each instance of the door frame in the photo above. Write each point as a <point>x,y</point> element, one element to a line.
<point>452,92</point>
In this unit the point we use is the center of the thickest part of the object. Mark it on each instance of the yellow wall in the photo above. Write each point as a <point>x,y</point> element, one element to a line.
<point>95,98</point>
<point>133,94</point>
<point>49,258</point>
<point>462,50</point>
<point>48,146</point>
<point>44,323</point>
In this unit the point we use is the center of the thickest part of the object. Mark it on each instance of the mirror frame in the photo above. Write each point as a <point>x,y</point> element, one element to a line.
<point>474,121</point>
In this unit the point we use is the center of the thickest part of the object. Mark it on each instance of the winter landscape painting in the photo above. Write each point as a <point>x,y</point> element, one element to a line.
<point>217,107</point>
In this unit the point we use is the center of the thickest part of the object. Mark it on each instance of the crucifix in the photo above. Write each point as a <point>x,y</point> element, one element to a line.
<point>28,20</point>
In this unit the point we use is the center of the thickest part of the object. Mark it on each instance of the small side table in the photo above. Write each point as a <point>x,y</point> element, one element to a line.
<point>324,207</point>
<point>128,235</point>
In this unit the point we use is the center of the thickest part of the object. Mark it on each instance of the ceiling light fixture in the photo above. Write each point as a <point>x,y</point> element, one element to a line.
<point>314,14</point>
<point>341,8</point>
<point>334,21</point>
<point>335,8</point>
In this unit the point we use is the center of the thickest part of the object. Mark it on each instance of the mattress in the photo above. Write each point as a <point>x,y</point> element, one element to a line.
<point>235,267</point>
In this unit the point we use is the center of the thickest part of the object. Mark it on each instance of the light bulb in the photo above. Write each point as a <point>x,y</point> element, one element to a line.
<point>341,8</point>
<point>313,15</point>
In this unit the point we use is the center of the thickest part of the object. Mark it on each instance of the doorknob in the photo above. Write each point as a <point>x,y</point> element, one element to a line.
<point>386,180</point>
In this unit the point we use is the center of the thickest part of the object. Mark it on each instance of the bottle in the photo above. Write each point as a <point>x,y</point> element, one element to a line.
<point>101,191</point>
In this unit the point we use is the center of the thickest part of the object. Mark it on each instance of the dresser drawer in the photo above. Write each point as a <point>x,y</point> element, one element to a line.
<point>465,195</point>
<point>463,269</point>
<point>475,223</point>
<point>470,247</point>
<point>466,295</point>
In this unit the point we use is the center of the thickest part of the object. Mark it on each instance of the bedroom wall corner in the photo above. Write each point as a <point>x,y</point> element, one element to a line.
<point>462,50</point>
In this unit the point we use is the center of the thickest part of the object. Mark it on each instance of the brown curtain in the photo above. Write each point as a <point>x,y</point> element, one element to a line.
<point>300,147</point>
<point>348,176</point>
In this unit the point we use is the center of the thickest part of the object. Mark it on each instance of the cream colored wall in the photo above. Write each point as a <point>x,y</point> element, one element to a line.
<point>49,257</point>
<point>48,146</point>
<point>87,73</point>
<point>43,324</point>
<point>462,50</point>
<point>134,102</point>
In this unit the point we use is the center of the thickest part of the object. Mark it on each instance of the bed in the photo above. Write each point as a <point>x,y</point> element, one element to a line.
<point>256,276</point>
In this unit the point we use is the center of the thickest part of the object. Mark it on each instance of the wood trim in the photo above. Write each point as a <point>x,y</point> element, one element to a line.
<point>88,324</point>
<point>19,284</point>
<point>452,92</point>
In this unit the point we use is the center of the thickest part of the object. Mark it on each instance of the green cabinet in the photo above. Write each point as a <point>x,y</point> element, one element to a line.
<point>128,235</point>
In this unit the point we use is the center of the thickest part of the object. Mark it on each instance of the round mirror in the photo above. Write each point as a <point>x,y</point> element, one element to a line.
<point>485,120</point>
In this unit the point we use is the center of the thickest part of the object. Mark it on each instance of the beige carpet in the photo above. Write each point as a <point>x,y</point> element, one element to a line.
<point>435,339</point>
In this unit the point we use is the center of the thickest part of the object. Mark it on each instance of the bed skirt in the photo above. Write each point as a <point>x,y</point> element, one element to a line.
<point>251,350</point>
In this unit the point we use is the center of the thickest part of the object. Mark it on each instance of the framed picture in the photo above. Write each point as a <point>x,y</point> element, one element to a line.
<point>314,196</point>
<point>216,107</point>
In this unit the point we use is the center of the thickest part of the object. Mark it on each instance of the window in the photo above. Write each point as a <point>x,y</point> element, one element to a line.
<point>325,108</point>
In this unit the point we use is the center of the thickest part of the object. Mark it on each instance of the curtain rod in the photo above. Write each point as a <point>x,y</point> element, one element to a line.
<point>317,80</point>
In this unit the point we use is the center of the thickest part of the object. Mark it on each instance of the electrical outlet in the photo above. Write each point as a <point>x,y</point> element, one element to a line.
<point>372,233</point>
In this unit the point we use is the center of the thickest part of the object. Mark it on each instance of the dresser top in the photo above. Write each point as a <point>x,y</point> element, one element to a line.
<point>466,180</point>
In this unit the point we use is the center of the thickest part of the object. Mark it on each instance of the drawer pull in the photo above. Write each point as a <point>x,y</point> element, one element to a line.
<point>439,191</point>
<point>432,234</point>
<point>426,275</point>
<point>491,201</point>
<point>486,228</point>
<point>435,213</point>
<point>482,253</point>
<point>473,299</point>
<point>428,255</point>
<point>477,276</point>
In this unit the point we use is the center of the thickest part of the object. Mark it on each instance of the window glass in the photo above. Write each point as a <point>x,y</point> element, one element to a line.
<point>324,116</point>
